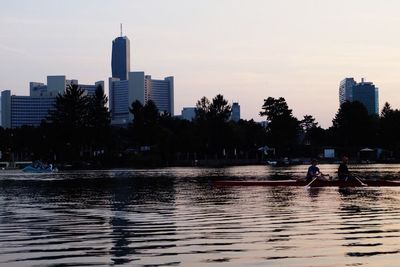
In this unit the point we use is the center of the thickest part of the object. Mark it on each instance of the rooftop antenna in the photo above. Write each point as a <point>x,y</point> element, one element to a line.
<point>121,28</point>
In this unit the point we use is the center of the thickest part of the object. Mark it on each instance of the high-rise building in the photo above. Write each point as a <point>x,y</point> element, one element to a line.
<point>142,88</point>
<point>17,111</point>
<point>161,92</point>
<point>120,58</point>
<point>24,110</point>
<point>346,90</point>
<point>363,92</point>
<point>235,113</point>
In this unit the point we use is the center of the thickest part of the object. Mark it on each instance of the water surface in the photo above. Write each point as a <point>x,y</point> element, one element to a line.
<point>176,217</point>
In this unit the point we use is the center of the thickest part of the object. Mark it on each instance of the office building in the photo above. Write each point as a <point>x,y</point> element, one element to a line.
<point>161,92</point>
<point>17,111</point>
<point>120,58</point>
<point>346,90</point>
<point>24,110</point>
<point>363,92</point>
<point>56,84</point>
<point>141,87</point>
<point>188,113</point>
<point>235,112</point>
<point>118,101</point>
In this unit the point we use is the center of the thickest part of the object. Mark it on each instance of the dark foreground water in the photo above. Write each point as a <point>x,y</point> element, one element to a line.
<point>176,217</point>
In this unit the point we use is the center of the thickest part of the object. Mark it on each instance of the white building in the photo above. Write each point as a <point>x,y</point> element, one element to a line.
<point>142,88</point>
<point>31,110</point>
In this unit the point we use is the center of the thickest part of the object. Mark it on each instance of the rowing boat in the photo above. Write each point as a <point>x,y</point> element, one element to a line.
<point>317,183</point>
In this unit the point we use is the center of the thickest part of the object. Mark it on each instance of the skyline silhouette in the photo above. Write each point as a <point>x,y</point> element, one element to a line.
<point>247,52</point>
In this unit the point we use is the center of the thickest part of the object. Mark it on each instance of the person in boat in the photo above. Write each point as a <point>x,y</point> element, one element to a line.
<point>313,171</point>
<point>343,170</point>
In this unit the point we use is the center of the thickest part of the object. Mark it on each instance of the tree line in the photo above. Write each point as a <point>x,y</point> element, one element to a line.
<point>77,131</point>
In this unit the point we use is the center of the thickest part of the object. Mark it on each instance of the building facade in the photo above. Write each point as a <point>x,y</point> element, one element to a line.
<point>346,90</point>
<point>120,58</point>
<point>140,87</point>
<point>364,92</point>
<point>24,110</point>
<point>31,110</point>
<point>235,113</point>
<point>188,113</point>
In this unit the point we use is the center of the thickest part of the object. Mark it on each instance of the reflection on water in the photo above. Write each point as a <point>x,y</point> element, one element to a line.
<point>176,217</point>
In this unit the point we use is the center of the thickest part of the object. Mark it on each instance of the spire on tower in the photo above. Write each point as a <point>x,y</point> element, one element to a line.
<point>121,29</point>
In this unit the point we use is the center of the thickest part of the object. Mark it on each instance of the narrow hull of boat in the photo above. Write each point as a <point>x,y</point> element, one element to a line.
<point>317,183</point>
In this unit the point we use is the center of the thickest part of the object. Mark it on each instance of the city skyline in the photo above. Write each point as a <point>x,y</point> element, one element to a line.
<point>300,51</point>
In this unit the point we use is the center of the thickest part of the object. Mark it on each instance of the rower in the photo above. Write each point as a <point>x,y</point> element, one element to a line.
<point>344,174</point>
<point>343,171</point>
<point>313,171</point>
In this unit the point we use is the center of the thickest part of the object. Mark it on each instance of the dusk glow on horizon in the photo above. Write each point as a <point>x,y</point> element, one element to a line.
<point>245,50</point>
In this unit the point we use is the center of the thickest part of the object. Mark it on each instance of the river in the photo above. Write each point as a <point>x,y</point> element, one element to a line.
<point>176,217</point>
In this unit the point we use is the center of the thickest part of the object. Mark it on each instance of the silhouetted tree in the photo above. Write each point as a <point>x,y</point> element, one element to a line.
<point>283,128</point>
<point>71,108</point>
<point>99,116</point>
<point>353,127</point>
<point>390,128</point>
<point>219,109</point>
<point>99,122</point>
<point>69,122</point>
<point>211,124</point>
<point>308,123</point>
<point>202,108</point>
<point>313,134</point>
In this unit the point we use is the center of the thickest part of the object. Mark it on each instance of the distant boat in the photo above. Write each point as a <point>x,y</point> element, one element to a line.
<point>40,168</point>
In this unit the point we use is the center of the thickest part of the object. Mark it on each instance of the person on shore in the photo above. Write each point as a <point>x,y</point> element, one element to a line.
<point>313,171</point>
<point>343,171</point>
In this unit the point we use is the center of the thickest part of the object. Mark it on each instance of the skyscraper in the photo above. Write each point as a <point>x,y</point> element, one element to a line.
<point>363,92</point>
<point>235,112</point>
<point>346,90</point>
<point>120,57</point>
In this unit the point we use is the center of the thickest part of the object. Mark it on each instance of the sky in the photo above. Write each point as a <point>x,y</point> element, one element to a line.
<point>247,50</point>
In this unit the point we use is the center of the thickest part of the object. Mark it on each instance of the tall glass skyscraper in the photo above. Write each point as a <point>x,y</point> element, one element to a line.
<point>364,92</point>
<point>120,58</point>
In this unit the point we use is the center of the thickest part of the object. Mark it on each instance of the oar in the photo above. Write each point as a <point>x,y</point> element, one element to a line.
<point>361,182</point>
<point>308,185</point>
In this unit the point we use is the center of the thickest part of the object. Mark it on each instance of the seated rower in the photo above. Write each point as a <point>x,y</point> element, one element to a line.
<point>313,171</point>
<point>343,171</point>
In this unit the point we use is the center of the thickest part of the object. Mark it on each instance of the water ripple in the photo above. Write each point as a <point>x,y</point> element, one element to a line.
<point>175,217</point>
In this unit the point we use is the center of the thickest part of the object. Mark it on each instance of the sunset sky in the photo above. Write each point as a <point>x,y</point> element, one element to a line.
<point>246,50</point>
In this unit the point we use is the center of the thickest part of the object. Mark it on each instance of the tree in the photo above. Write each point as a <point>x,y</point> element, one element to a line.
<point>390,128</point>
<point>282,127</point>
<point>71,108</point>
<point>313,134</point>
<point>219,109</point>
<point>99,122</point>
<point>202,108</point>
<point>211,124</point>
<point>69,123</point>
<point>353,127</point>
<point>308,123</point>
<point>275,108</point>
<point>99,116</point>
<point>216,110</point>
<point>145,127</point>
